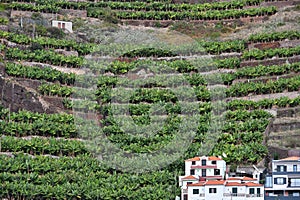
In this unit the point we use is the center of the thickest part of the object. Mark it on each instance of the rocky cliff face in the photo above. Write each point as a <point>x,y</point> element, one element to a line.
<point>18,94</point>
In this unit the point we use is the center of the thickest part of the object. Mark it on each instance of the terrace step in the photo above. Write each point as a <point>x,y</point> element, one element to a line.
<point>272,61</point>
<point>278,44</point>
<point>286,124</point>
<point>266,78</point>
<point>291,95</point>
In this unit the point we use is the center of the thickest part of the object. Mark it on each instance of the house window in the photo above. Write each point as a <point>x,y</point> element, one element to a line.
<point>295,182</point>
<point>212,190</point>
<point>195,191</point>
<point>192,171</point>
<point>59,24</point>
<point>193,162</point>
<point>217,172</point>
<point>203,162</point>
<point>258,190</point>
<point>294,168</point>
<point>189,183</point>
<point>281,168</point>
<point>213,162</point>
<point>185,197</point>
<point>234,190</point>
<point>203,172</point>
<point>251,190</point>
<point>63,25</point>
<point>269,182</point>
<point>280,181</point>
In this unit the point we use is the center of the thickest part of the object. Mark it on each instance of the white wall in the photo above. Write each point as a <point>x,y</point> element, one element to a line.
<point>183,183</point>
<point>192,196</point>
<point>280,186</point>
<point>218,195</point>
<point>68,25</point>
<point>221,164</point>
<point>285,163</point>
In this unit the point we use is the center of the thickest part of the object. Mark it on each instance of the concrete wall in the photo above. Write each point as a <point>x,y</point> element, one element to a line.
<point>63,24</point>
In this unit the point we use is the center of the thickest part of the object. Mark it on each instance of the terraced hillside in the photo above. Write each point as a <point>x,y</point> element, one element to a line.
<point>110,111</point>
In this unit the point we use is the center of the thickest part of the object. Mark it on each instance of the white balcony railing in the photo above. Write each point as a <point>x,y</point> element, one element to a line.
<point>241,195</point>
<point>254,195</point>
<point>234,195</point>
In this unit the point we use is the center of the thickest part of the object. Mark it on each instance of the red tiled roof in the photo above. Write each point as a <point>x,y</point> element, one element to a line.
<point>214,158</point>
<point>204,167</point>
<point>222,182</point>
<point>292,158</point>
<point>189,178</point>
<point>215,177</point>
<point>250,184</point>
<point>215,182</point>
<point>201,183</point>
<point>242,178</point>
<point>245,178</point>
<point>234,184</point>
<point>234,178</point>
<point>193,159</point>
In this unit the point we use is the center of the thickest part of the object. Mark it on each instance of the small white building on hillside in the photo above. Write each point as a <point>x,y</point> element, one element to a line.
<point>63,25</point>
<point>206,179</point>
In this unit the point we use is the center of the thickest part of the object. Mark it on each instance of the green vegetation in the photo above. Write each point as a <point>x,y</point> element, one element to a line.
<point>46,73</point>
<point>46,156</point>
<point>44,56</point>
<point>46,42</point>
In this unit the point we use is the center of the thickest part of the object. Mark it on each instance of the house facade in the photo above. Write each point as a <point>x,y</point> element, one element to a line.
<point>206,179</point>
<point>284,182</point>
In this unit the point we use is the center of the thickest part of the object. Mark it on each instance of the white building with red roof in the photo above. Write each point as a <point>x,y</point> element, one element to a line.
<point>284,182</point>
<point>207,167</point>
<point>206,179</point>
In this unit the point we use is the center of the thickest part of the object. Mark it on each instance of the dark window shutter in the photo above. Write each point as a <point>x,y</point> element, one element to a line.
<point>284,168</point>
<point>284,181</point>
<point>192,172</point>
<point>275,180</point>
<point>258,190</point>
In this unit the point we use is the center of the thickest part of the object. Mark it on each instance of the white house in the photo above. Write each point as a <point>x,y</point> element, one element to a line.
<point>63,25</point>
<point>284,182</point>
<point>210,167</point>
<point>224,190</point>
<point>206,179</point>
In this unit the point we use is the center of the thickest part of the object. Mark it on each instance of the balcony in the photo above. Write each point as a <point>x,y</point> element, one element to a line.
<point>281,198</point>
<point>185,191</point>
<point>234,195</point>
<point>287,173</point>
<point>241,195</point>
<point>202,195</point>
<point>254,195</point>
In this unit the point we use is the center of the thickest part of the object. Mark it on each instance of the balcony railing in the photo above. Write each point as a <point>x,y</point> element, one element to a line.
<point>254,195</point>
<point>241,195</point>
<point>202,195</point>
<point>281,198</point>
<point>184,190</point>
<point>234,195</point>
<point>286,173</point>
